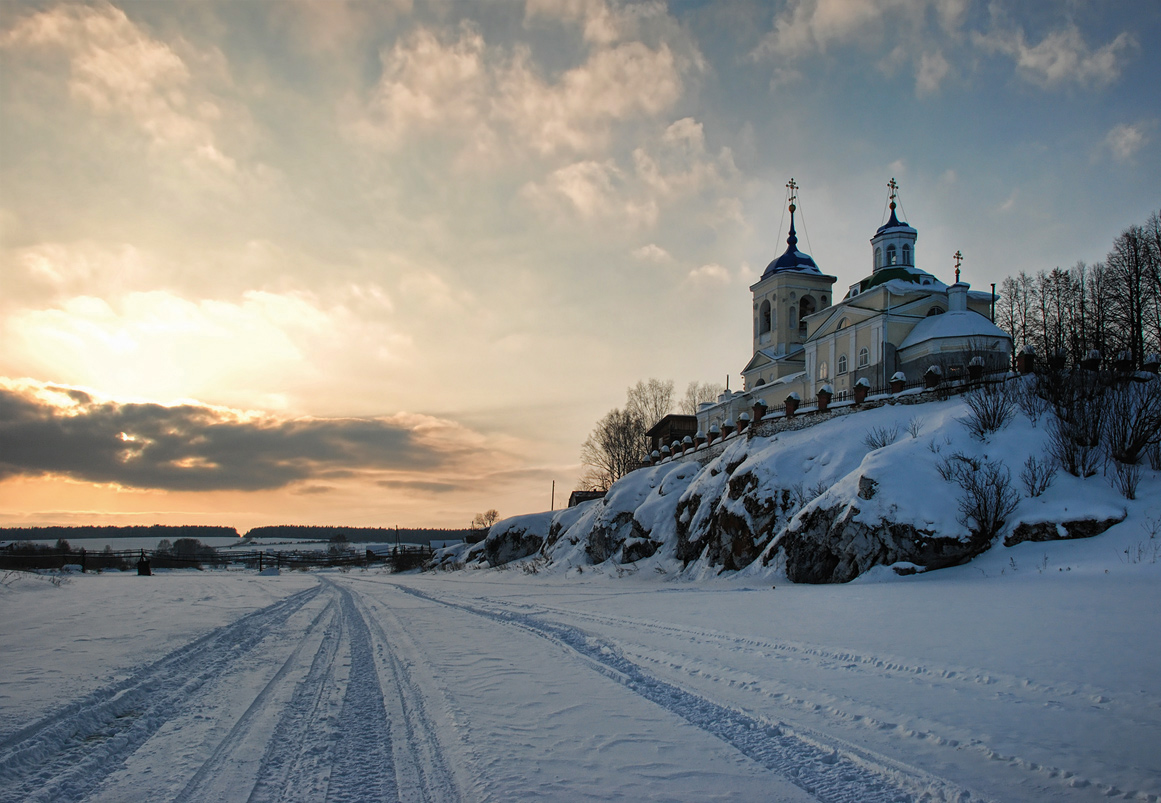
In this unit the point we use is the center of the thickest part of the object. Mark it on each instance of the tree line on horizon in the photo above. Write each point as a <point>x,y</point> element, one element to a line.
<point>177,532</point>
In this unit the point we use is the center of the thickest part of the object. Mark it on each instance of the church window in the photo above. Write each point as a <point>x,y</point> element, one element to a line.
<point>764,318</point>
<point>935,311</point>
<point>842,324</point>
<point>842,364</point>
<point>805,308</point>
<point>906,254</point>
<point>864,357</point>
<point>878,257</point>
<point>891,255</point>
<point>792,318</point>
<point>824,300</point>
<point>822,370</point>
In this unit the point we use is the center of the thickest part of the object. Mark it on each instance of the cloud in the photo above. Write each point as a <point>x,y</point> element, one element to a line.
<point>710,274</point>
<point>601,23</point>
<point>672,166</point>
<point>678,165</point>
<point>1061,57</point>
<point>159,344</point>
<point>428,84</point>
<point>933,68</point>
<point>115,68</point>
<point>652,253</point>
<point>593,191</point>
<point>1124,140</point>
<point>456,88</point>
<point>55,430</point>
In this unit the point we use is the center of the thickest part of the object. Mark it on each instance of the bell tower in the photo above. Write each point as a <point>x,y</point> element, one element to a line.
<point>791,288</point>
<point>894,243</point>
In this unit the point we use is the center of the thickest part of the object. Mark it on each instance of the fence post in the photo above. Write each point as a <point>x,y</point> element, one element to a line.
<point>82,560</point>
<point>259,561</point>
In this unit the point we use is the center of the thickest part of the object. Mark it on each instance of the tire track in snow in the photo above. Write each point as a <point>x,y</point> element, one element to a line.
<point>422,768</point>
<point>364,765</point>
<point>296,765</point>
<point>1074,697</point>
<point>212,780</point>
<point>68,754</point>
<point>831,769</point>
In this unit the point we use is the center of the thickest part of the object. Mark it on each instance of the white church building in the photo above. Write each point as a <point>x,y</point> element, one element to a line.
<point>899,318</point>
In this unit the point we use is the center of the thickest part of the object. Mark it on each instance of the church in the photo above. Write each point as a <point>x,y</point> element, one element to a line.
<point>898,319</point>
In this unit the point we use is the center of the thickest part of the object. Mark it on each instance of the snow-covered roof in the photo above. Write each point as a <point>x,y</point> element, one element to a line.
<point>964,323</point>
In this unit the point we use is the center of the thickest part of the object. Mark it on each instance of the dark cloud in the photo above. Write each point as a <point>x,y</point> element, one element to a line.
<point>195,448</point>
<point>430,486</point>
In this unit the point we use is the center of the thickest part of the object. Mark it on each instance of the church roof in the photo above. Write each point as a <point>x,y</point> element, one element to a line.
<point>962,323</point>
<point>792,258</point>
<point>903,273</point>
<point>894,224</point>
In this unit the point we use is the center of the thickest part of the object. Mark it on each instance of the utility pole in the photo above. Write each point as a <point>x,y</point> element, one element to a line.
<point>552,504</point>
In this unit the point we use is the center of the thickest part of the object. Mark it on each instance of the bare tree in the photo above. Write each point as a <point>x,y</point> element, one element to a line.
<point>650,401</point>
<point>1128,263</point>
<point>697,394</point>
<point>485,520</point>
<point>613,449</point>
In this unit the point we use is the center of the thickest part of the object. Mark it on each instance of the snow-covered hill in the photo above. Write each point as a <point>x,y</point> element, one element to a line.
<point>826,503</point>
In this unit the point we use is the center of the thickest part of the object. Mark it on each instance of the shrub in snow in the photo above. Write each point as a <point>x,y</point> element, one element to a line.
<point>990,408</point>
<point>988,497</point>
<point>1133,422</point>
<point>1037,475</point>
<point>1126,477</point>
<point>1031,402</point>
<point>914,427</point>
<point>1079,407</point>
<point>879,437</point>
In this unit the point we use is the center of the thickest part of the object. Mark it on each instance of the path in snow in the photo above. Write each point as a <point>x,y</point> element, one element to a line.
<point>368,687</point>
<point>286,703</point>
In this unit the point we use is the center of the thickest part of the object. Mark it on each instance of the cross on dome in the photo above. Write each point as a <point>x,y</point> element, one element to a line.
<point>958,259</point>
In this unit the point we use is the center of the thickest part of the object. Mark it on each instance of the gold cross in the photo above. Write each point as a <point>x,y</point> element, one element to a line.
<point>793,187</point>
<point>958,259</point>
<point>894,186</point>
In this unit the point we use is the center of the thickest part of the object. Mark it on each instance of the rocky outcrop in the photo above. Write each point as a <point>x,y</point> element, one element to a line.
<point>730,517</point>
<point>1063,531</point>
<point>830,545</point>
<point>511,543</point>
<point>635,549</point>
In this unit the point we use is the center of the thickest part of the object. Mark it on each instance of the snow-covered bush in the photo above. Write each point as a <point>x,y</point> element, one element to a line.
<point>988,496</point>
<point>1037,475</point>
<point>1079,407</point>
<point>990,408</point>
<point>878,437</point>
<point>1133,422</point>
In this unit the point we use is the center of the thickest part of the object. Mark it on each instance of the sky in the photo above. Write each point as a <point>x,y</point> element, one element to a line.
<point>387,263</point>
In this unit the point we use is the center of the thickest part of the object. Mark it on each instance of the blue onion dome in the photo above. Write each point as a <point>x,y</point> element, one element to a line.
<point>893,223</point>
<point>792,258</point>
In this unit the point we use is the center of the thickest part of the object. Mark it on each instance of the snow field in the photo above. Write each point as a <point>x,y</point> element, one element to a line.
<point>958,685</point>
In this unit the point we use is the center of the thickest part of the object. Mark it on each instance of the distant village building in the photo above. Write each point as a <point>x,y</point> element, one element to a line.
<point>898,319</point>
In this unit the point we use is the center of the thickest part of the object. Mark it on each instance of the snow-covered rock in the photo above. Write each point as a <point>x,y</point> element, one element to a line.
<point>819,503</point>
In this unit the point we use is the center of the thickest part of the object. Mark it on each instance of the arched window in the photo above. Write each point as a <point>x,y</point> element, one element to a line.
<point>822,370</point>
<point>878,257</point>
<point>842,364</point>
<point>891,256</point>
<point>906,254</point>
<point>843,323</point>
<point>764,318</point>
<point>805,307</point>
<point>864,357</point>
<point>824,299</point>
<point>792,318</point>
<point>935,311</point>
